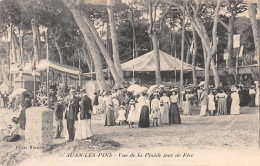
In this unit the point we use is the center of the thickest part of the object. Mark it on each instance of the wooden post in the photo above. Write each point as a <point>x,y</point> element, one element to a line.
<point>182,46</point>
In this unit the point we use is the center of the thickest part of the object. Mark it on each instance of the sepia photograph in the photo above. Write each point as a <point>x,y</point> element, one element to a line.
<point>129,82</point>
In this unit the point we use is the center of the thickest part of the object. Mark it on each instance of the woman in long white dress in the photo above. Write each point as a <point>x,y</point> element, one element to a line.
<point>235,107</point>
<point>165,100</point>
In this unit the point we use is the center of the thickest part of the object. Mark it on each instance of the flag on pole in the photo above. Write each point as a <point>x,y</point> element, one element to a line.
<point>236,41</point>
<point>241,51</point>
<point>101,2</point>
<point>225,54</point>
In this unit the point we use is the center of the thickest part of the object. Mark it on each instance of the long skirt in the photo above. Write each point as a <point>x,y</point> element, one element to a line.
<point>110,118</point>
<point>156,114</point>
<point>222,106</point>
<point>229,101</point>
<point>116,108</point>
<point>95,109</point>
<point>203,110</point>
<point>235,108</point>
<point>252,100</point>
<point>138,111</point>
<point>165,113</point>
<point>187,108</point>
<point>144,121</point>
<point>85,126</point>
<point>174,114</point>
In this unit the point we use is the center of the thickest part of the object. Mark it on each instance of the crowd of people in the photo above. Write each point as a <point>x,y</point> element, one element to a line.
<point>125,107</point>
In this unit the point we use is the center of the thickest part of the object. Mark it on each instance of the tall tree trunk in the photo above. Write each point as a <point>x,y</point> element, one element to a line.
<point>134,35</point>
<point>90,40</point>
<point>230,40</point>
<point>153,36</point>
<point>38,37</point>
<point>112,24</point>
<point>87,59</point>
<point>204,56</point>
<point>255,28</point>
<point>157,59</point>
<point>215,72</point>
<point>188,55</point>
<point>21,46</point>
<point>59,51</point>
<point>116,76</point>
<point>194,55</point>
<point>35,42</point>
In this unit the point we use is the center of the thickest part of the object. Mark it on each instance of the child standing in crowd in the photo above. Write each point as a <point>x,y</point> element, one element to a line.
<point>132,113</point>
<point>121,115</point>
<point>211,103</point>
<point>155,109</point>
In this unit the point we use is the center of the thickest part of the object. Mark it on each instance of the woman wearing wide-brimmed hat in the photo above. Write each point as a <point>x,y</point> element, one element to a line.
<point>174,114</point>
<point>235,106</point>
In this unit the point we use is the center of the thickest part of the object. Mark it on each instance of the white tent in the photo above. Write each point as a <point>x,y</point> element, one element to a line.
<point>147,62</point>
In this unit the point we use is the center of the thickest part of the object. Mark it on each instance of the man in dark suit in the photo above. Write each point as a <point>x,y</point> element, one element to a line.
<point>85,116</point>
<point>58,110</point>
<point>71,114</point>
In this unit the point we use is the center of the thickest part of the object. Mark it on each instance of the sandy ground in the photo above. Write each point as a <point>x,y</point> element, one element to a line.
<point>230,132</point>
